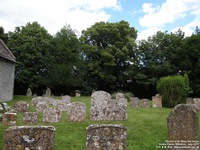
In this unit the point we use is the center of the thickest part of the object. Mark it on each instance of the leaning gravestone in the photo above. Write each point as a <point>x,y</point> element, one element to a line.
<point>52,115</point>
<point>21,106</point>
<point>106,137</point>
<point>134,102</point>
<point>29,138</point>
<point>182,125</point>
<point>104,108</point>
<point>30,117</point>
<point>29,93</point>
<point>76,112</point>
<point>145,103</point>
<point>9,118</point>
<point>157,101</point>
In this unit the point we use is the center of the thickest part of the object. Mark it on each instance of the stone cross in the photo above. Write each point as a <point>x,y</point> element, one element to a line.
<point>106,136</point>
<point>29,138</point>
<point>182,125</point>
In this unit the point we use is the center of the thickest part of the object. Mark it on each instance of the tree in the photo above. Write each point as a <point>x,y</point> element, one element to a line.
<point>109,52</point>
<point>159,56</point>
<point>30,45</point>
<point>65,67</point>
<point>3,35</point>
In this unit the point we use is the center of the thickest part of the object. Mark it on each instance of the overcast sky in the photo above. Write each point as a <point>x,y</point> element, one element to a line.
<point>146,16</point>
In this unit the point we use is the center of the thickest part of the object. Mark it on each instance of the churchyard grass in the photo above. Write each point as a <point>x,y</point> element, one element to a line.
<point>146,127</point>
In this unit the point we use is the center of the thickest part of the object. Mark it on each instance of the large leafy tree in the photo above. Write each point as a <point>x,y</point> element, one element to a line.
<point>109,52</point>
<point>3,35</point>
<point>30,45</point>
<point>159,56</point>
<point>65,67</point>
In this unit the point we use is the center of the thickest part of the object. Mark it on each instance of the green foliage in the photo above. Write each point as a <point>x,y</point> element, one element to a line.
<point>108,50</point>
<point>174,89</point>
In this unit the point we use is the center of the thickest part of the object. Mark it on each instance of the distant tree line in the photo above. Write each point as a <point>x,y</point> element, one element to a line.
<point>105,57</point>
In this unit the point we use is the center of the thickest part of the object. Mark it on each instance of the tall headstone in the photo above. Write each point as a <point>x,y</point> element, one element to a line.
<point>105,108</point>
<point>52,115</point>
<point>134,102</point>
<point>157,101</point>
<point>106,137</point>
<point>29,138</point>
<point>145,103</point>
<point>76,112</point>
<point>48,92</point>
<point>29,93</point>
<point>182,125</point>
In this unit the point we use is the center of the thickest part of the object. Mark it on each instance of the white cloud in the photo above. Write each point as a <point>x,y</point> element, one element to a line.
<point>158,16</point>
<point>53,14</point>
<point>148,32</point>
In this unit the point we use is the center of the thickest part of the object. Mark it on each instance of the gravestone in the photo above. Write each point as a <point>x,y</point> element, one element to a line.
<point>66,98</point>
<point>29,138</point>
<point>62,105</point>
<point>104,108</point>
<point>29,93</point>
<point>157,101</point>
<point>189,100</point>
<point>41,106</point>
<point>119,96</point>
<point>21,106</point>
<point>9,118</point>
<point>106,137</point>
<point>39,99</point>
<point>30,117</point>
<point>77,93</point>
<point>182,125</point>
<point>134,102</point>
<point>145,103</point>
<point>52,115</point>
<point>76,112</point>
<point>48,92</point>
<point>197,102</point>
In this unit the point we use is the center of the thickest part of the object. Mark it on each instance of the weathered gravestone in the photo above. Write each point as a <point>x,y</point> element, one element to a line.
<point>104,108</point>
<point>66,98</point>
<point>48,92</point>
<point>9,118</point>
<point>30,117</point>
<point>21,106</point>
<point>41,106</point>
<point>39,99</point>
<point>145,103</point>
<point>29,93</point>
<point>62,105</point>
<point>29,138</point>
<point>189,100</point>
<point>134,102</point>
<point>52,115</point>
<point>119,96</point>
<point>77,93</point>
<point>106,137</point>
<point>182,125</point>
<point>157,101</point>
<point>76,112</point>
<point>121,99</point>
<point>197,102</point>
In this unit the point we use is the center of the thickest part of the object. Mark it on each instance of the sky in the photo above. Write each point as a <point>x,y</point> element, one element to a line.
<point>146,16</point>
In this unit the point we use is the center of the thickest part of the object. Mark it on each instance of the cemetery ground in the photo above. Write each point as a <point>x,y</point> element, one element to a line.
<point>146,127</point>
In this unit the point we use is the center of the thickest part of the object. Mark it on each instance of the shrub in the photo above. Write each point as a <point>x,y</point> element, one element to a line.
<point>174,89</point>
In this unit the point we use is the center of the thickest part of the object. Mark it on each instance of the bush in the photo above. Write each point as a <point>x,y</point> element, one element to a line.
<point>174,89</point>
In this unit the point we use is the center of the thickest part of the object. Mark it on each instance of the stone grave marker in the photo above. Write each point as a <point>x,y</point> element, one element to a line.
<point>48,92</point>
<point>134,102</point>
<point>9,118</point>
<point>29,93</point>
<point>104,108</point>
<point>52,115</point>
<point>189,100</point>
<point>119,96</point>
<point>76,112</point>
<point>145,103</point>
<point>66,98</point>
<point>106,137</point>
<point>29,138</point>
<point>182,125</point>
<point>30,117</point>
<point>197,102</point>
<point>62,105</point>
<point>21,106</point>
<point>41,106</point>
<point>157,101</point>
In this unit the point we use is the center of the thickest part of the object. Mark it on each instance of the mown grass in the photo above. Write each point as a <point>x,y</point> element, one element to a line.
<point>146,127</point>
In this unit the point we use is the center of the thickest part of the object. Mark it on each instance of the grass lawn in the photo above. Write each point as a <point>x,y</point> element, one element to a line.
<point>146,127</point>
